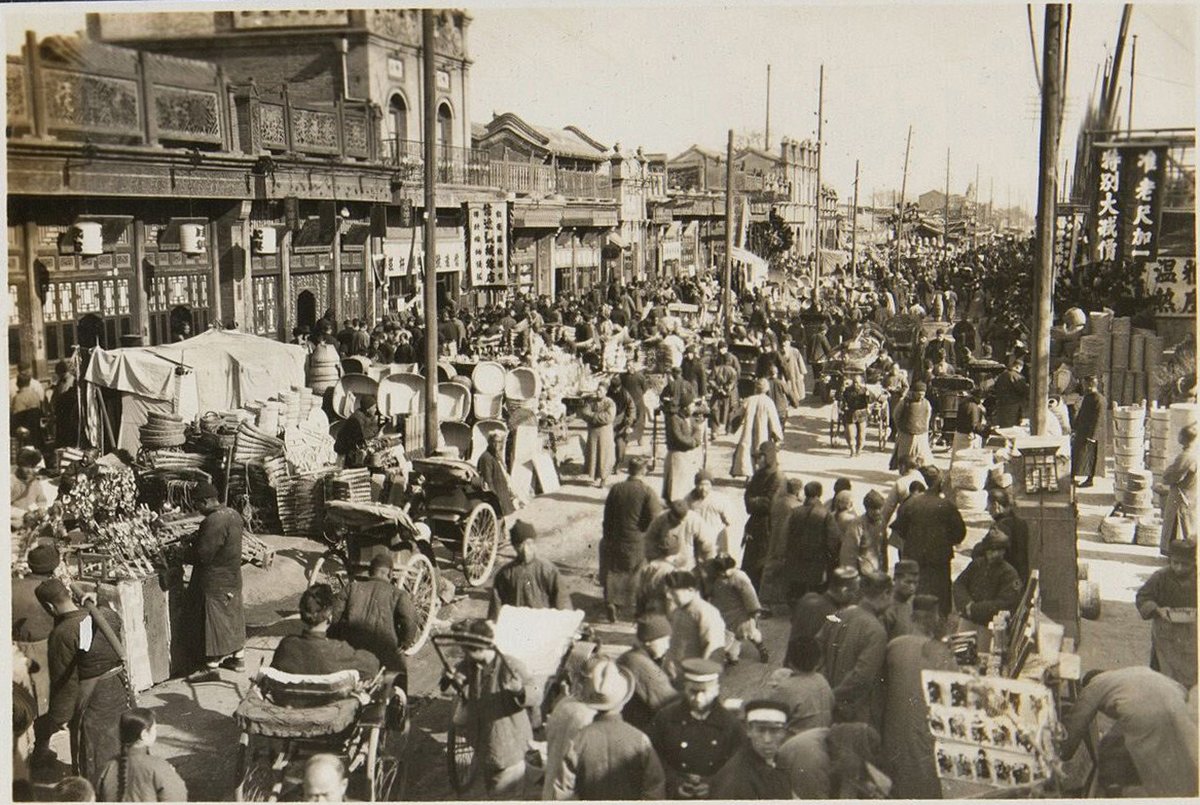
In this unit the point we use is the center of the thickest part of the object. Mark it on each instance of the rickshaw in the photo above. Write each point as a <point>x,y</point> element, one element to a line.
<point>901,334</point>
<point>945,395</point>
<point>285,719</point>
<point>449,495</point>
<point>358,532</point>
<point>878,412</point>
<point>550,643</point>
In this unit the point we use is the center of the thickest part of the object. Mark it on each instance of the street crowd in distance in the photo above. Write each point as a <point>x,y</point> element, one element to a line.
<point>865,580</point>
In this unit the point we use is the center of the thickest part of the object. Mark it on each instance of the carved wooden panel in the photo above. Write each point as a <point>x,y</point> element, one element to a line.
<point>271,129</point>
<point>91,102</point>
<point>17,93</point>
<point>355,132</point>
<point>314,131</point>
<point>187,114</point>
<point>317,284</point>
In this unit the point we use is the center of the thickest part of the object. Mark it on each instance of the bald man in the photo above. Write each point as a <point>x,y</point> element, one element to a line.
<point>325,779</point>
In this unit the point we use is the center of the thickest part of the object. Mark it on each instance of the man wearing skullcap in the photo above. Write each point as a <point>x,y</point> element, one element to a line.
<point>695,736</point>
<point>761,489</point>
<point>652,688</point>
<point>912,417</point>
<point>1172,645</point>
<point>684,439</point>
<point>752,772</point>
<point>898,620</point>
<point>854,644</point>
<point>697,628</point>
<point>377,615</point>
<point>675,536</point>
<point>907,743</point>
<point>988,585</point>
<point>813,543</point>
<point>215,589</point>
<point>629,509</point>
<point>849,527</point>
<point>529,580</point>
<point>31,623</point>
<point>872,535</point>
<point>714,513</point>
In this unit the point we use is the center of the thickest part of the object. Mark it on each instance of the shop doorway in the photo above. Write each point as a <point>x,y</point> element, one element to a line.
<point>181,323</point>
<point>306,310</point>
<point>90,332</point>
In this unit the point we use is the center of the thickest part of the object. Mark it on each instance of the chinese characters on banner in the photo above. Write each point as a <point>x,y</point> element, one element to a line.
<point>1070,237</point>
<point>487,228</point>
<point>1129,202</point>
<point>1172,283</point>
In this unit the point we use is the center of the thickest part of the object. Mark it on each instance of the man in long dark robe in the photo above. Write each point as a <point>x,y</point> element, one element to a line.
<point>215,589</point>
<point>494,475</point>
<point>376,615</point>
<point>1011,392</point>
<point>930,526</point>
<point>629,509</point>
<point>88,684</point>
<point>813,539</point>
<point>854,645</point>
<point>359,429</point>
<point>1083,432</point>
<point>761,489</point>
<point>31,623</point>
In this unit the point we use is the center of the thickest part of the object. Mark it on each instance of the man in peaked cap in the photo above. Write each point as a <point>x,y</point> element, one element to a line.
<point>529,580</point>
<point>810,612</point>
<point>751,773</point>
<point>609,759</point>
<point>696,735</point>
<point>1171,587</point>
<point>215,589</point>
<point>988,585</point>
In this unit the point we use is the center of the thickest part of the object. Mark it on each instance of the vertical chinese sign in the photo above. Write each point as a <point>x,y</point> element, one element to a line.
<point>487,229</point>
<point>1128,202</point>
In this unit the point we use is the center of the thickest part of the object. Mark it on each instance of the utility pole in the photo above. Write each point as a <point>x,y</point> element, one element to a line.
<point>854,230</point>
<point>975,210</point>
<point>428,75</point>
<point>900,209</point>
<point>728,292</point>
<point>1043,277</point>
<point>820,150</point>
<point>767,137</point>
<point>946,212</point>
<point>1132,62</point>
<point>1110,96</point>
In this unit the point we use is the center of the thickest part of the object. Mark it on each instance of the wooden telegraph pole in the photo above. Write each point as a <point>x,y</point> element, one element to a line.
<point>767,135</point>
<point>820,150</point>
<point>903,188</point>
<point>946,211</point>
<point>727,297</point>
<point>1043,277</point>
<point>975,211</point>
<point>431,333</point>
<point>1132,62</point>
<point>854,230</point>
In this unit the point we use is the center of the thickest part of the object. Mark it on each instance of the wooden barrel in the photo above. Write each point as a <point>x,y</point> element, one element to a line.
<point>323,368</point>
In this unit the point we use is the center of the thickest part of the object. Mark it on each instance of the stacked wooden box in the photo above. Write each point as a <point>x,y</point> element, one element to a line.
<point>1124,358</point>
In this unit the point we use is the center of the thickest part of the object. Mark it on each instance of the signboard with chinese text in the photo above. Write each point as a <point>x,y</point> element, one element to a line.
<point>451,252</point>
<point>487,229</point>
<point>1172,283</point>
<point>1129,201</point>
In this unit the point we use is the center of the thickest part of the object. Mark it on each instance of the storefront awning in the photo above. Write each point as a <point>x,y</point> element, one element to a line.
<point>615,239</point>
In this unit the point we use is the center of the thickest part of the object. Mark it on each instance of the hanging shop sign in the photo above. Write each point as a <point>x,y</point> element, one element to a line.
<point>397,251</point>
<point>1128,201</point>
<point>487,227</point>
<point>1172,283</point>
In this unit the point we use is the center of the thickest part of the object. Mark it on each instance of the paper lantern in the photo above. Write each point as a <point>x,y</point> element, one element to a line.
<point>264,240</point>
<point>191,239</point>
<point>89,240</point>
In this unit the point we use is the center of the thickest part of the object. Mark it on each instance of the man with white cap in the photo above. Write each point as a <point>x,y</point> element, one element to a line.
<point>696,736</point>
<point>751,773</point>
<point>609,759</point>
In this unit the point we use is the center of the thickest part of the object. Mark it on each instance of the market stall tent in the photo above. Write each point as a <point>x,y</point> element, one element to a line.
<point>218,370</point>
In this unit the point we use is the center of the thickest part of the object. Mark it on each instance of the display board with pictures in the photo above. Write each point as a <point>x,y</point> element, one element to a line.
<point>989,732</point>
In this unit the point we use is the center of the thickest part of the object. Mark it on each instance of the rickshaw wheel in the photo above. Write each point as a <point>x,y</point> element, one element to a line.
<point>480,543</point>
<point>382,768</point>
<point>419,579</point>
<point>460,759</point>
<point>257,780</point>
<point>834,417</point>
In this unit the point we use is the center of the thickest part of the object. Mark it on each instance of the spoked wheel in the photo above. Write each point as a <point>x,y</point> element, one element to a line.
<point>833,424</point>
<point>259,780</point>
<point>460,757</point>
<point>418,577</point>
<point>480,543</point>
<point>382,768</point>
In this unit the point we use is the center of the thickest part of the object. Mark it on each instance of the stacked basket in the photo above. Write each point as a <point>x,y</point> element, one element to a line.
<point>162,430</point>
<point>968,478</point>
<point>521,389</point>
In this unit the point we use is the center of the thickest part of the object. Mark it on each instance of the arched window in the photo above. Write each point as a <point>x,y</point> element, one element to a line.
<point>445,125</point>
<point>397,118</point>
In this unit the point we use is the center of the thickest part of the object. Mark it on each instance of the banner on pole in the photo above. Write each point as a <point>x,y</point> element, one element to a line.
<point>1128,206</point>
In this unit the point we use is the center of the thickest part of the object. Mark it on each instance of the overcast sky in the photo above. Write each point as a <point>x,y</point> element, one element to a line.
<point>665,77</point>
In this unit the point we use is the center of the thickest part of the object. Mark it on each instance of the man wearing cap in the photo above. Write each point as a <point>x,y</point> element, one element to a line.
<point>697,628</point>
<point>713,513</point>
<point>752,773</point>
<point>912,416</point>
<point>696,736</point>
<point>801,686</point>
<point>494,474</point>
<point>31,623</point>
<point>731,592</point>
<point>855,403</point>
<point>907,743</point>
<point>1011,391</point>
<point>494,712</point>
<point>692,370</point>
<point>775,584</point>
<point>359,429</point>
<point>811,611</point>
<point>1004,515</point>
<point>928,527</point>
<point>970,423</point>
<point>794,369</point>
<point>760,424</point>
<point>215,589</point>
<point>600,453</point>
<point>723,386</point>
<point>676,535</point>
<point>761,489</point>
<point>376,615</point>
<point>609,759</point>
<point>1172,645</point>
<point>813,542</point>
<point>854,644</point>
<point>565,721</point>
<point>898,619</point>
<point>528,580</point>
<point>684,439</point>
<point>629,509</point>
<point>652,688</point>
<point>988,585</point>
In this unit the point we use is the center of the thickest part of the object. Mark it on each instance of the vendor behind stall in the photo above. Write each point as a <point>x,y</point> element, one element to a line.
<point>215,590</point>
<point>358,430</point>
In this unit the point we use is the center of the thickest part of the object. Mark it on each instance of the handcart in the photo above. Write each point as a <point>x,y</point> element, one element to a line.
<point>945,395</point>
<point>550,643</point>
<point>286,718</point>
<point>462,513</point>
<point>358,532</point>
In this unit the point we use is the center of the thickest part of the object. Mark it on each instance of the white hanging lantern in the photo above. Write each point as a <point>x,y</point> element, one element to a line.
<point>191,239</point>
<point>264,240</point>
<point>89,239</point>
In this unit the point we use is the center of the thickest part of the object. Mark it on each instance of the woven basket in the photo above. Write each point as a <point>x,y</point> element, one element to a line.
<point>1118,530</point>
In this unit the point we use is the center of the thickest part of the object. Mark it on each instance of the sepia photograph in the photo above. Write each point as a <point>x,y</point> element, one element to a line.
<point>602,401</point>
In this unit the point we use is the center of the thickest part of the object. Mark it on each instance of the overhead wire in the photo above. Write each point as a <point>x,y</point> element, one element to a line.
<point>1037,72</point>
